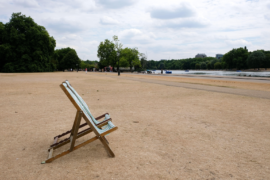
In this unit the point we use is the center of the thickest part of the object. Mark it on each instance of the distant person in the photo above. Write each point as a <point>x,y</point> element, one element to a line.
<point>71,69</point>
<point>86,70</point>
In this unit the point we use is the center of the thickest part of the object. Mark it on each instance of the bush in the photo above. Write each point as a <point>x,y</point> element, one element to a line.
<point>25,46</point>
<point>256,59</point>
<point>217,65</point>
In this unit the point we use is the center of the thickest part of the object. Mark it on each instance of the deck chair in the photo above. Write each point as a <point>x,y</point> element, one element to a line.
<point>101,129</point>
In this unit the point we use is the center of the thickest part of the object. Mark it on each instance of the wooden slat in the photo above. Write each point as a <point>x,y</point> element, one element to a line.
<point>74,123</point>
<point>50,153</point>
<point>107,132</point>
<point>106,146</point>
<point>78,136</point>
<point>55,140</point>
<point>82,125</point>
<point>101,116</point>
<point>70,97</point>
<point>75,131</point>
<point>66,152</point>
<point>91,125</point>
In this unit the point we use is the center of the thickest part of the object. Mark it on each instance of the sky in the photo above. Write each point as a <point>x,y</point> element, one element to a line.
<point>162,29</point>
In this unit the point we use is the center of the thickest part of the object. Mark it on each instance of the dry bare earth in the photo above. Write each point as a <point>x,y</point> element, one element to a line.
<point>182,133</point>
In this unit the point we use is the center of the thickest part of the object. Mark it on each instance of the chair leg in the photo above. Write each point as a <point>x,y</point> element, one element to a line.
<point>73,137</point>
<point>106,139</point>
<point>106,146</point>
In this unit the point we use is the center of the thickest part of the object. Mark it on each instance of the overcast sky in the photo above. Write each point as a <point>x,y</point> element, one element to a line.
<point>164,29</point>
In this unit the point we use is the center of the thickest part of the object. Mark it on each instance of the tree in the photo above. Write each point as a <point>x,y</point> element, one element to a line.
<point>107,54</point>
<point>203,65</point>
<point>123,62</point>
<point>131,56</point>
<point>84,65</point>
<point>186,64</point>
<point>117,47</point>
<point>256,59</point>
<point>70,60</point>
<point>236,58</point>
<point>143,60</point>
<point>217,65</point>
<point>197,66</point>
<point>25,46</point>
<point>162,66</point>
<point>266,63</point>
<point>59,58</point>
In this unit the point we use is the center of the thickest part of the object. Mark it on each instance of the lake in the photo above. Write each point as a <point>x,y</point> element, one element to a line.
<point>220,73</point>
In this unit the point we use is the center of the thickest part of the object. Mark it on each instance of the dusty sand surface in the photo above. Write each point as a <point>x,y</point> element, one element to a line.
<point>209,82</point>
<point>182,133</point>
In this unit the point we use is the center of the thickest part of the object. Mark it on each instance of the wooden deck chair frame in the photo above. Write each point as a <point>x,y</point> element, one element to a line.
<point>74,134</point>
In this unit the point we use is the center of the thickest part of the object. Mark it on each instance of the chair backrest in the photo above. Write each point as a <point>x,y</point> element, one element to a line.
<point>82,108</point>
<point>83,103</point>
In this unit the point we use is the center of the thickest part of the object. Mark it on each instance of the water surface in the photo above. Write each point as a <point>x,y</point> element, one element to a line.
<point>220,73</point>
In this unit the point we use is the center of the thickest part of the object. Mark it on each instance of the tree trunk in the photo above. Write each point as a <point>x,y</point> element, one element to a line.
<point>118,69</point>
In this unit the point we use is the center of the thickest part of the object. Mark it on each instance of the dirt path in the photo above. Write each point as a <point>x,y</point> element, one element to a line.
<point>212,88</point>
<point>182,133</point>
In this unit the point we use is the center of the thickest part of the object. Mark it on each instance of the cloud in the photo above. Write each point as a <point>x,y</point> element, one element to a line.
<point>163,49</point>
<point>237,43</point>
<point>26,3</point>
<point>114,4</point>
<point>181,11</point>
<point>184,23</point>
<point>267,16</point>
<point>268,5</point>
<point>172,28</point>
<point>108,21</point>
<point>136,36</point>
<point>62,26</point>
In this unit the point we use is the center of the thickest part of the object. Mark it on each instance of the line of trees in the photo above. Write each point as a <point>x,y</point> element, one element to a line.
<point>26,46</point>
<point>238,59</point>
<point>111,53</point>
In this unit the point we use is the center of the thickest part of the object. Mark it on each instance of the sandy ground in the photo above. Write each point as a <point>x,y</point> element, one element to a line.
<point>209,82</point>
<point>182,133</point>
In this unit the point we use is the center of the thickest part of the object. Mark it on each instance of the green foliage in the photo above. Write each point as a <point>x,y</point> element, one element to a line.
<point>66,63</point>
<point>161,65</point>
<point>88,64</point>
<point>181,63</point>
<point>70,60</point>
<point>203,65</point>
<point>266,63</point>
<point>143,61</point>
<point>197,66</point>
<point>123,62</point>
<point>110,53</point>
<point>256,59</point>
<point>217,65</point>
<point>107,54</point>
<point>131,56</point>
<point>236,58</point>
<point>266,60</point>
<point>25,46</point>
